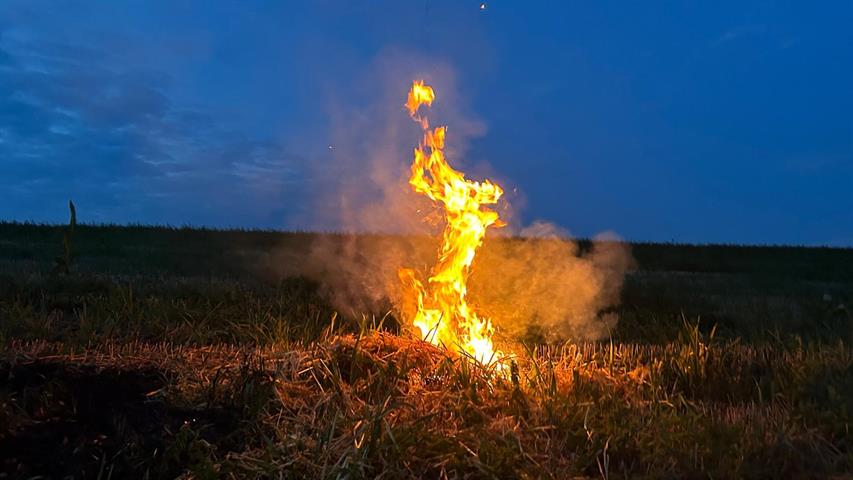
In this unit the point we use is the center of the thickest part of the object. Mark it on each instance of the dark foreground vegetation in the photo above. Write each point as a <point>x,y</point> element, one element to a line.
<point>138,352</point>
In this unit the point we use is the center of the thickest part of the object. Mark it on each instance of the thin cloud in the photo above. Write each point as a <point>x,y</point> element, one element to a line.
<point>737,33</point>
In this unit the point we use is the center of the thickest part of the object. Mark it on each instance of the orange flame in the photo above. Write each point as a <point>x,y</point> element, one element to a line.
<point>443,314</point>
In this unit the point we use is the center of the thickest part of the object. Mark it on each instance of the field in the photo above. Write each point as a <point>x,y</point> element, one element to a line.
<point>184,352</point>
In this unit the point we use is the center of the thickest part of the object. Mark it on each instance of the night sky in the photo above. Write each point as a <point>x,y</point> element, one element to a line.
<point>684,121</point>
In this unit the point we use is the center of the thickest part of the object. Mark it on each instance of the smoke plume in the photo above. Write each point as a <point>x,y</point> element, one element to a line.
<point>528,280</point>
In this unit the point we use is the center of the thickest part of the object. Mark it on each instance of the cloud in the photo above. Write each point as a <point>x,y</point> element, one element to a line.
<point>79,122</point>
<point>737,33</point>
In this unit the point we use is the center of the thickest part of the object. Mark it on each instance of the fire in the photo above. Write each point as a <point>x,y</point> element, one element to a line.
<point>443,314</point>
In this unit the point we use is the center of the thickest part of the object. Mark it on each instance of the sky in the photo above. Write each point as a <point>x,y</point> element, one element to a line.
<point>659,121</point>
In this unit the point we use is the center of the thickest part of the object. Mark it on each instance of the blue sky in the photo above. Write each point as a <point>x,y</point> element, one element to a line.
<point>686,121</point>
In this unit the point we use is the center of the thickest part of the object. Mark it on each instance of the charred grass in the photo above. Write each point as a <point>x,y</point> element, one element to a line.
<point>160,356</point>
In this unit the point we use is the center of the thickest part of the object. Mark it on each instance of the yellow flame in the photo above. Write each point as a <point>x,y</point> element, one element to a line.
<point>443,314</point>
<point>419,94</point>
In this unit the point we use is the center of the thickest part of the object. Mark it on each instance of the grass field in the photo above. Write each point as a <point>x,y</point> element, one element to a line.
<point>186,352</point>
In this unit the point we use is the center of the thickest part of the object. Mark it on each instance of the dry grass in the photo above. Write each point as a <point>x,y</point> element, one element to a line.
<point>380,405</point>
<point>157,357</point>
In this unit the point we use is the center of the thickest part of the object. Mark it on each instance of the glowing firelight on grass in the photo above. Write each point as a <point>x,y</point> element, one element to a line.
<point>442,313</point>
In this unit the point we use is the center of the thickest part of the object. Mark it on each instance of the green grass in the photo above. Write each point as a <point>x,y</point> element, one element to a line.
<point>178,351</point>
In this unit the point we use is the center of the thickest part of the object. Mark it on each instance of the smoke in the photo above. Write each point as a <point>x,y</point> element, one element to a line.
<point>540,283</point>
<point>361,185</point>
<point>527,280</point>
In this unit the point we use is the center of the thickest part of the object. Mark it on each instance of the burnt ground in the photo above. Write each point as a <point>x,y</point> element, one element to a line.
<point>60,417</point>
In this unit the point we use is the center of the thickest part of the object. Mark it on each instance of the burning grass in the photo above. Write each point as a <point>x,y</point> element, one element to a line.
<point>442,313</point>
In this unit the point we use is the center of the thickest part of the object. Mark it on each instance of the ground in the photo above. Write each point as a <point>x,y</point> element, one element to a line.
<point>164,352</point>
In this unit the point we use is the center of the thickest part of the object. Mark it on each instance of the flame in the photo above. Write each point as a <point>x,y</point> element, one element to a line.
<point>419,94</point>
<point>443,314</point>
